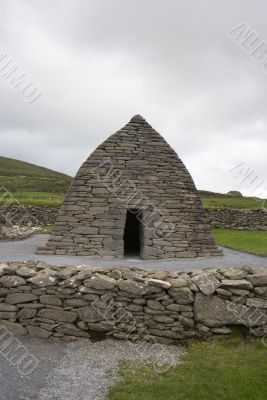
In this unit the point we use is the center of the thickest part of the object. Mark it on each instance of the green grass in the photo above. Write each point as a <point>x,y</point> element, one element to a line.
<point>254,242</point>
<point>219,200</point>
<point>20,176</point>
<point>229,370</point>
<point>34,198</point>
<point>43,198</point>
<point>47,228</point>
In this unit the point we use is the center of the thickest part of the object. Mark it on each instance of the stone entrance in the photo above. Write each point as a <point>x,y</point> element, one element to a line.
<point>132,237</point>
<point>134,169</point>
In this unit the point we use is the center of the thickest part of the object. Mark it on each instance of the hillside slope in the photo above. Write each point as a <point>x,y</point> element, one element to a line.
<point>18,175</point>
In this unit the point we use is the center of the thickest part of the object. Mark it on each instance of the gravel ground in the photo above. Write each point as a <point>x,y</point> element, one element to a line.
<point>75,371</point>
<point>25,250</point>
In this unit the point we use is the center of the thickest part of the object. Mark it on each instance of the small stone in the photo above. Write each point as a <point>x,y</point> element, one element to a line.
<point>26,313</point>
<point>101,282</point>
<point>234,273</point>
<point>224,292</point>
<point>137,288</point>
<point>57,315</point>
<point>15,328</point>
<point>44,278</point>
<point>85,274</point>
<point>256,302</point>
<point>71,329</point>
<point>7,315</point>
<point>3,268</point>
<point>206,282</point>
<point>3,291</point>
<point>240,292</point>
<point>115,274</point>
<point>261,291</point>
<point>50,299</point>
<point>36,331</point>
<point>178,282</point>
<point>158,282</point>
<point>189,322</point>
<point>222,331</point>
<point>71,282</point>
<point>7,307</point>
<point>258,279</point>
<point>182,295</point>
<point>102,327</point>
<point>26,271</point>
<point>239,284</point>
<point>75,302</point>
<point>155,305</point>
<point>90,314</point>
<point>163,319</point>
<point>10,281</point>
<point>162,333</point>
<point>134,308</point>
<point>15,298</point>
<point>66,272</point>
<point>179,307</point>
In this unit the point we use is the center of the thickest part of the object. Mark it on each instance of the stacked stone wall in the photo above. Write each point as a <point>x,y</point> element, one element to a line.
<point>67,303</point>
<point>229,218</point>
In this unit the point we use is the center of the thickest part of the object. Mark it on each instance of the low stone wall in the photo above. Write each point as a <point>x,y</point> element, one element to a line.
<point>217,217</point>
<point>71,302</point>
<point>29,215</point>
<point>230,218</point>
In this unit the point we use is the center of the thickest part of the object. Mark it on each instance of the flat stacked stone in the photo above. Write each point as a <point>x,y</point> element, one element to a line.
<point>230,218</point>
<point>68,303</point>
<point>133,169</point>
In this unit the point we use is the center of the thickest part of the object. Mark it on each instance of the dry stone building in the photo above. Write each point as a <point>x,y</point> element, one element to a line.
<point>132,196</point>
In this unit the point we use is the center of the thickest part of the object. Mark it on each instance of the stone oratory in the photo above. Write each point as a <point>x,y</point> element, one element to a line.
<point>133,197</point>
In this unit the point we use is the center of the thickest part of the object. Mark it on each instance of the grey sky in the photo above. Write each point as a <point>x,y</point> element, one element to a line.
<point>99,62</point>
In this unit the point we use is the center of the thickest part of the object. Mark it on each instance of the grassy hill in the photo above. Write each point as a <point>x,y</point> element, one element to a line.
<point>20,176</point>
<point>220,200</point>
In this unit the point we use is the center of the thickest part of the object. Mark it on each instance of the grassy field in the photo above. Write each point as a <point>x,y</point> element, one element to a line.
<point>254,242</point>
<point>234,370</point>
<point>33,198</point>
<point>219,200</point>
<point>44,198</point>
<point>20,176</point>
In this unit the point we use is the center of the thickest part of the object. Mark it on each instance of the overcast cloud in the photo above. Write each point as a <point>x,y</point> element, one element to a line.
<point>99,62</point>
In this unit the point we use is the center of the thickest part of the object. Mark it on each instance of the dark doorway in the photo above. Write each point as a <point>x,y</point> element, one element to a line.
<point>132,233</point>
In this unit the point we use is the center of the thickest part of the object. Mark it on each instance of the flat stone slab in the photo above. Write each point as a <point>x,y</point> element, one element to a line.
<point>25,250</point>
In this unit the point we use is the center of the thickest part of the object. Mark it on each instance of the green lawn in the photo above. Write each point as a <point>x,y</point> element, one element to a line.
<point>234,370</point>
<point>249,241</point>
<point>49,191</point>
<point>34,198</point>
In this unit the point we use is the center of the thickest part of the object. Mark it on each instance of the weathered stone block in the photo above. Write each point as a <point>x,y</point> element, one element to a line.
<point>137,288</point>
<point>182,295</point>
<point>101,282</point>
<point>57,315</point>
<point>15,298</point>
<point>214,311</point>
<point>9,281</point>
<point>206,282</point>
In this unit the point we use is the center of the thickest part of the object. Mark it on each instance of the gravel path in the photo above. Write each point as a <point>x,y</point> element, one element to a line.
<point>74,371</point>
<point>25,250</point>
